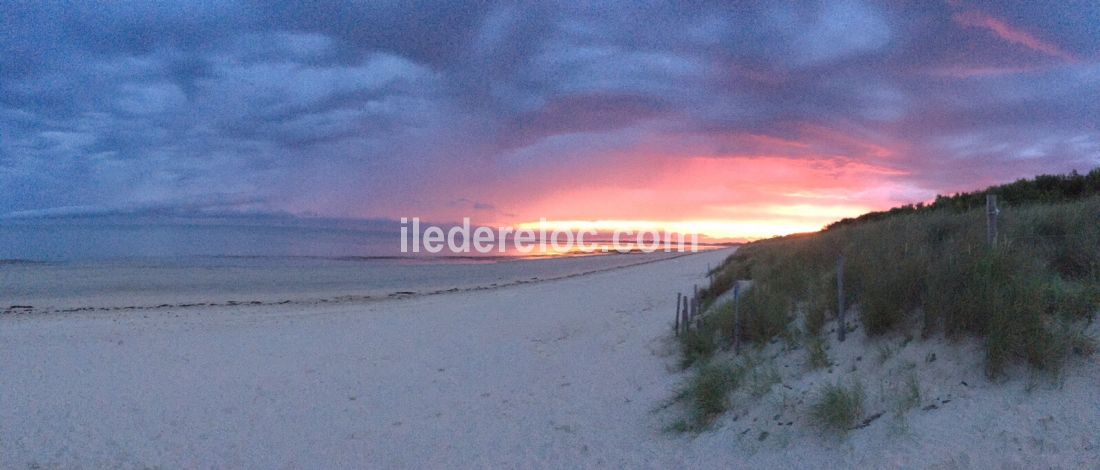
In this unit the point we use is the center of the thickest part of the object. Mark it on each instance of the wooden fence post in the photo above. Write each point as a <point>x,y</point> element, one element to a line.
<point>676,325</point>
<point>684,316</point>
<point>737,317</point>
<point>842,327</point>
<point>694,301</point>
<point>991,212</point>
<point>699,318</point>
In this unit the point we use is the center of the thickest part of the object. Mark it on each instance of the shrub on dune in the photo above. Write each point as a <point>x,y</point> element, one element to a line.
<point>837,408</point>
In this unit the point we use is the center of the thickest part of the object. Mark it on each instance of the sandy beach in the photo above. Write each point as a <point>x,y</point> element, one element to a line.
<point>575,372</point>
<point>184,282</point>
<point>556,372</point>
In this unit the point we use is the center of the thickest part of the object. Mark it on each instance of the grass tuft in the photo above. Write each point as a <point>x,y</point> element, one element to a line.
<point>816,355</point>
<point>761,379</point>
<point>708,392</point>
<point>910,393</point>
<point>1082,345</point>
<point>838,408</point>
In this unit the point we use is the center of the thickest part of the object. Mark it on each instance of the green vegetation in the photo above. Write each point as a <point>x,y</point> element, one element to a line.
<point>1082,344</point>
<point>910,393</point>
<point>711,387</point>
<point>761,379</point>
<point>927,268</point>
<point>708,392</point>
<point>932,270</point>
<point>817,356</point>
<point>885,352</point>
<point>838,408</point>
<point>1043,189</point>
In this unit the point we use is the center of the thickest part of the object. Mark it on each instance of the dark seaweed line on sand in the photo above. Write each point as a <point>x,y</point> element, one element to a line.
<point>337,300</point>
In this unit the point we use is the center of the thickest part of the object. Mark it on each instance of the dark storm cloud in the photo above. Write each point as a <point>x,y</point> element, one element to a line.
<point>350,108</point>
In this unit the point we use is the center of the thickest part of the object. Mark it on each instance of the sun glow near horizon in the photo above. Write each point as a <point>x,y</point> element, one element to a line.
<point>718,230</point>
<point>728,198</point>
<point>753,222</point>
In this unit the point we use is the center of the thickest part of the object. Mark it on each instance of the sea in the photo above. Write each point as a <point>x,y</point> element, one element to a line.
<point>84,263</point>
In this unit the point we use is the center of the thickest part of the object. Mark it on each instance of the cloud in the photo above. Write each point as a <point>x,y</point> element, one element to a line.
<point>839,30</point>
<point>387,110</point>
<point>1011,34</point>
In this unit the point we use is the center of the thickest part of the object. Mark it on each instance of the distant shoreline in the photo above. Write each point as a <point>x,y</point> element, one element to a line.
<point>5,262</point>
<point>126,302</point>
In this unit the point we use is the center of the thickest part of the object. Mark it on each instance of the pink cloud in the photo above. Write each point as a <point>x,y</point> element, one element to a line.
<point>1011,34</point>
<point>964,71</point>
<point>741,197</point>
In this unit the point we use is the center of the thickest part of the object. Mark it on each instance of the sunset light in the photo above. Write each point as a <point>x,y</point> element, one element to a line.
<point>734,197</point>
<point>362,234</point>
<point>715,230</point>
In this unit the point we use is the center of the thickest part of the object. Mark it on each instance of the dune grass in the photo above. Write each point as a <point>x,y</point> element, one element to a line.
<point>816,355</point>
<point>707,394</point>
<point>1027,298</point>
<point>761,379</point>
<point>931,270</point>
<point>911,393</point>
<point>837,408</point>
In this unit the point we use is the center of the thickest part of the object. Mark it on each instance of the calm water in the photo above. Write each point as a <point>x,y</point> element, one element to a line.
<point>72,264</point>
<point>81,241</point>
<point>68,240</point>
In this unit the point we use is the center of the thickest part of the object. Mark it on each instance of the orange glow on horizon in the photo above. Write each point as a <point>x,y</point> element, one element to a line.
<point>727,187</point>
<point>717,230</point>
<point>720,198</point>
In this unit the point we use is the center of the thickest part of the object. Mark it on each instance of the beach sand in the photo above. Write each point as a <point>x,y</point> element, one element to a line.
<point>172,282</point>
<point>574,372</point>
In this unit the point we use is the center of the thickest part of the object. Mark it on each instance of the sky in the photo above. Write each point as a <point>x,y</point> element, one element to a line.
<point>736,119</point>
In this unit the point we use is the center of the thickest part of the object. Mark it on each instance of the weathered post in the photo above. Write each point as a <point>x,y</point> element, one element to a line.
<point>737,317</point>
<point>991,212</point>
<point>684,316</point>
<point>694,305</point>
<point>699,313</point>
<point>842,327</point>
<point>676,324</point>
